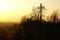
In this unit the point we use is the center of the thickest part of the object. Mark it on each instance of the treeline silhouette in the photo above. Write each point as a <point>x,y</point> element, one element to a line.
<point>35,28</point>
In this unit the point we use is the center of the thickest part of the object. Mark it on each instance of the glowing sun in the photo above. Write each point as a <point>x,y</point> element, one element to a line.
<point>3,6</point>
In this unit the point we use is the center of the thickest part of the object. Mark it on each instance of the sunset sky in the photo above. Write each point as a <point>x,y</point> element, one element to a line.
<point>13,10</point>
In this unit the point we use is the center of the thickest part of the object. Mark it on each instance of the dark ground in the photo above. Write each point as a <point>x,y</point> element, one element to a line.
<point>36,30</point>
<point>30,30</point>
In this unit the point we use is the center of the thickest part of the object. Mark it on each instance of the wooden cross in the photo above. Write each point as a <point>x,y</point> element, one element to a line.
<point>40,11</point>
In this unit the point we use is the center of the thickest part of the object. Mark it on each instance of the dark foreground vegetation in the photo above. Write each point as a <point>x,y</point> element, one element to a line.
<point>36,30</point>
<point>31,30</point>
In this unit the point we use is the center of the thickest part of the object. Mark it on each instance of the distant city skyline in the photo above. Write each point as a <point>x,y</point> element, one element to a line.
<point>13,10</point>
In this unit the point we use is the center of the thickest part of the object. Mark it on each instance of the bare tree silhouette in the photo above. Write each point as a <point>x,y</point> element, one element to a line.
<point>37,12</point>
<point>54,16</point>
<point>23,19</point>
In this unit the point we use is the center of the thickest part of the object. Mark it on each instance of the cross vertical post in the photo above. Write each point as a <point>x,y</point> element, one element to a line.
<point>40,11</point>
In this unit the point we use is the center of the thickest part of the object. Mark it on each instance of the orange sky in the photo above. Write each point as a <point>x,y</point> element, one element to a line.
<point>13,10</point>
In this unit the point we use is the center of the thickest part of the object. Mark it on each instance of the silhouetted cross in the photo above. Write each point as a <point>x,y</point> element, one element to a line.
<point>40,12</point>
